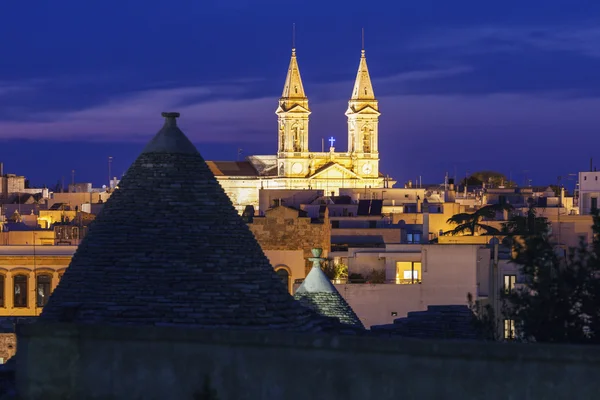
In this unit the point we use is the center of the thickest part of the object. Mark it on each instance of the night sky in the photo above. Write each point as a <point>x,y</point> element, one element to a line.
<point>463,86</point>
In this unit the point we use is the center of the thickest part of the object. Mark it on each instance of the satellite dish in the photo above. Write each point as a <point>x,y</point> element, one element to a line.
<point>428,193</point>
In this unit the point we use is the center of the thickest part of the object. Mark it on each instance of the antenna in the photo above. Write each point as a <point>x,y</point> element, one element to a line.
<point>363,40</point>
<point>294,36</point>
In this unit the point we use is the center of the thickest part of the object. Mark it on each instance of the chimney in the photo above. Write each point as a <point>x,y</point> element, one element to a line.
<point>1,169</point>
<point>451,193</point>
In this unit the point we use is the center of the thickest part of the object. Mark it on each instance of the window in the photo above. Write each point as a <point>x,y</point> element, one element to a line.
<point>413,238</point>
<point>408,272</point>
<point>594,204</point>
<point>372,224</point>
<point>20,290</point>
<point>44,283</point>
<point>284,276</point>
<point>509,282</point>
<point>335,224</point>
<point>509,329</point>
<point>2,280</point>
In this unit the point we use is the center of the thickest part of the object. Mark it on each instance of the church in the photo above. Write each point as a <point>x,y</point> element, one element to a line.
<point>295,166</point>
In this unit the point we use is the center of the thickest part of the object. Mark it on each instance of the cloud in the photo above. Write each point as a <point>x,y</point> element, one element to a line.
<point>486,39</point>
<point>136,117</point>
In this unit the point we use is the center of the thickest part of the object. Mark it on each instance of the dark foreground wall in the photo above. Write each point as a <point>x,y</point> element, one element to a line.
<point>71,362</point>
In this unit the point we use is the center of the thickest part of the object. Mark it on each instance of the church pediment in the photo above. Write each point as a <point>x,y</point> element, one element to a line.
<point>333,170</point>
<point>366,109</point>
<point>295,108</point>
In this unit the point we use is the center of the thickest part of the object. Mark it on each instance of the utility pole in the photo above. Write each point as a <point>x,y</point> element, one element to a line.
<point>109,172</point>
<point>559,207</point>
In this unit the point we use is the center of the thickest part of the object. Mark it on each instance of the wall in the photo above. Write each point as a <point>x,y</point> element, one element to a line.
<point>102,362</point>
<point>449,273</point>
<point>16,238</point>
<point>8,346</point>
<point>291,260</point>
<point>283,229</point>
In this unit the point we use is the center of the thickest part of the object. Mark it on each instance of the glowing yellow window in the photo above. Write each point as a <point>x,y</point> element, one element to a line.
<point>408,272</point>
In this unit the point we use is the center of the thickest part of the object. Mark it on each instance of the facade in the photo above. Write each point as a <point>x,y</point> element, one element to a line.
<point>411,277</point>
<point>589,192</point>
<point>28,275</point>
<point>295,166</point>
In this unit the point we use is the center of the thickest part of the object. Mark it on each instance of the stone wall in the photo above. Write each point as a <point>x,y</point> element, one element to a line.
<point>283,229</point>
<point>109,362</point>
<point>8,346</point>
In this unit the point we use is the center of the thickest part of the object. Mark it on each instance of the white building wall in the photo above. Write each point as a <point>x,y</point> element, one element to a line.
<point>589,188</point>
<point>449,273</point>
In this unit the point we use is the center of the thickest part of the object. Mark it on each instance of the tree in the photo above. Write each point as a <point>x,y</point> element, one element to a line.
<point>526,225</point>
<point>492,178</point>
<point>471,222</point>
<point>484,319</point>
<point>335,271</point>
<point>560,302</point>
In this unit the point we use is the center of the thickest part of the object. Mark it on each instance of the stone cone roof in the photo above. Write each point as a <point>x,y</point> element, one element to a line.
<point>318,293</point>
<point>169,248</point>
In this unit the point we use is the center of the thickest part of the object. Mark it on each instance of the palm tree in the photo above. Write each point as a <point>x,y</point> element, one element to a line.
<point>470,223</point>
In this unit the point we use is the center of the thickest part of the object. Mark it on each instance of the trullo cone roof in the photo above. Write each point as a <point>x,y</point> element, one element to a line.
<point>169,249</point>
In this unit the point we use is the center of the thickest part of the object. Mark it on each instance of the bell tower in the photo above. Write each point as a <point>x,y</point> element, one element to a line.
<point>293,112</point>
<point>363,122</point>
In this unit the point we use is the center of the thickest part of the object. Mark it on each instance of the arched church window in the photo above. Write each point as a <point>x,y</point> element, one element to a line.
<point>43,284</point>
<point>20,290</point>
<point>284,275</point>
<point>366,90</point>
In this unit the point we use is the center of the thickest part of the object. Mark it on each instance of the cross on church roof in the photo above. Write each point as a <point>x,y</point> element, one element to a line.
<point>331,141</point>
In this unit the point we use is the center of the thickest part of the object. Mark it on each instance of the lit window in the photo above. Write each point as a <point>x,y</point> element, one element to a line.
<point>20,291</point>
<point>509,329</point>
<point>509,282</point>
<point>408,272</point>
<point>44,283</point>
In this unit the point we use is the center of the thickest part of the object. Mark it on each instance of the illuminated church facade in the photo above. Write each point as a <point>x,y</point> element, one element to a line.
<point>295,166</point>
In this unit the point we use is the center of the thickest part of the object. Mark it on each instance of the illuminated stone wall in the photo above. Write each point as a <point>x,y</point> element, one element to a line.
<point>282,229</point>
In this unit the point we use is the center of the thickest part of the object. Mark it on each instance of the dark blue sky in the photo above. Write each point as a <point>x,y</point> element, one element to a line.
<point>463,86</point>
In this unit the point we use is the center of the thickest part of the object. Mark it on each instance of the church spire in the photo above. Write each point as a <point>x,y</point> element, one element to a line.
<point>363,90</point>
<point>363,121</point>
<point>293,88</point>
<point>292,113</point>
